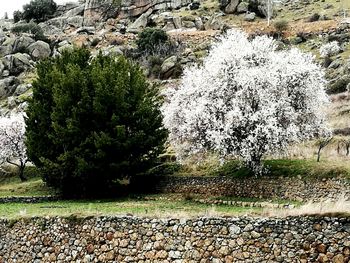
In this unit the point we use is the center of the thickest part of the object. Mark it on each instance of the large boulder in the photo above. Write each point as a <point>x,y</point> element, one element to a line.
<point>97,10</point>
<point>6,48</point>
<point>243,7</point>
<point>3,37</point>
<point>5,24</point>
<point>21,44</point>
<point>214,23</point>
<point>75,21</point>
<point>223,4</point>
<point>249,17</point>
<point>39,50</point>
<point>231,7</point>
<point>67,7</point>
<point>64,45</point>
<point>58,22</point>
<point>17,63</point>
<point>168,66</point>
<point>22,88</point>
<point>260,8</point>
<point>111,51</point>
<point>2,68</point>
<point>199,23</point>
<point>50,30</point>
<point>77,11</point>
<point>8,86</point>
<point>139,23</point>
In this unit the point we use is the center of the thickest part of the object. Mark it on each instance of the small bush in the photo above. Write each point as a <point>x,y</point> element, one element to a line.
<point>31,172</point>
<point>303,35</point>
<point>156,70</point>
<point>17,16</point>
<point>340,85</point>
<point>31,28</point>
<point>315,17</point>
<point>330,49</point>
<point>154,64</point>
<point>39,10</point>
<point>95,42</point>
<point>155,60</point>
<point>177,72</point>
<point>150,38</point>
<point>281,25</point>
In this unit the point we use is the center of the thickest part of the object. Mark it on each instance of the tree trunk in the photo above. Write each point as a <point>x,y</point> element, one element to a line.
<point>319,154</point>
<point>21,167</point>
<point>21,172</point>
<point>323,144</point>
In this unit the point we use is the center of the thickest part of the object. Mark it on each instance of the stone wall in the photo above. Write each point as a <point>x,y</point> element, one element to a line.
<point>27,199</point>
<point>131,239</point>
<point>264,187</point>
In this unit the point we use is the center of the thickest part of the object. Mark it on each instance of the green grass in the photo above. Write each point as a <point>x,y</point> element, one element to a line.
<point>32,187</point>
<point>160,205</point>
<point>255,200</point>
<point>308,168</point>
<point>316,7</point>
<point>12,186</point>
<point>305,168</point>
<point>296,168</point>
<point>158,208</point>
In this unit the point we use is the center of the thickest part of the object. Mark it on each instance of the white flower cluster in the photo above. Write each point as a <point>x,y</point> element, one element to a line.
<point>246,100</point>
<point>12,134</point>
<point>329,49</point>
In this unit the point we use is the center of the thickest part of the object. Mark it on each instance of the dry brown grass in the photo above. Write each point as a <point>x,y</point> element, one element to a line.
<point>326,207</point>
<point>308,150</point>
<point>338,112</point>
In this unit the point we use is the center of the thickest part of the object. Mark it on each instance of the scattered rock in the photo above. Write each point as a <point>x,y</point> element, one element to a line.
<point>39,50</point>
<point>243,7</point>
<point>250,17</point>
<point>140,23</point>
<point>8,86</point>
<point>231,7</point>
<point>168,66</point>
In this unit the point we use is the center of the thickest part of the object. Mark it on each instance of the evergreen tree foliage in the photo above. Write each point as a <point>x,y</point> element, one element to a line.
<point>17,16</point>
<point>150,38</point>
<point>39,10</point>
<point>91,122</point>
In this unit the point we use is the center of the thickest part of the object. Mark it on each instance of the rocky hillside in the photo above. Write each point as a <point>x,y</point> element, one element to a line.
<point>112,26</point>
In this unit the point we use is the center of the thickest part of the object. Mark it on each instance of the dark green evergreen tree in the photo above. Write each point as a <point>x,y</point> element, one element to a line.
<point>150,38</point>
<point>39,10</point>
<point>92,122</point>
<point>17,16</point>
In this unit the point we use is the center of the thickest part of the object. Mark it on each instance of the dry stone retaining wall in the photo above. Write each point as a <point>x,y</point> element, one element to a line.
<point>265,187</point>
<point>132,239</point>
<point>27,199</point>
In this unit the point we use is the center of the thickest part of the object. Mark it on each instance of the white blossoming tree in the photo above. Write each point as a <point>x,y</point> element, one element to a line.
<point>329,49</point>
<point>12,147</point>
<point>247,100</point>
